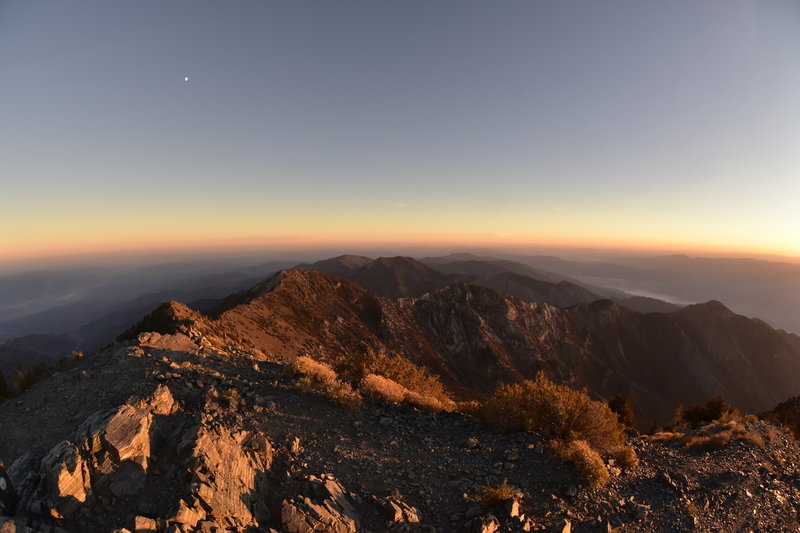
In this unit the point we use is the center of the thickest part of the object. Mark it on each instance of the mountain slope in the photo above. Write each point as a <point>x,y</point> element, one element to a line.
<point>151,437</point>
<point>477,338</point>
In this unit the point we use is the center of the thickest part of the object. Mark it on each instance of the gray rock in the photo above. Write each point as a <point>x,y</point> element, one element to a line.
<point>332,511</point>
<point>8,496</point>
<point>482,524</point>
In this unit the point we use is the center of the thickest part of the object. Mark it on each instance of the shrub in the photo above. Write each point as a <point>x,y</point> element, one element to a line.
<point>380,388</point>
<point>623,408</point>
<point>314,371</point>
<point>787,414</point>
<point>319,378</point>
<point>718,434</point>
<point>665,436</point>
<point>428,403</point>
<point>626,458</point>
<point>340,393</point>
<point>399,369</point>
<point>554,411</point>
<point>493,496</point>
<point>586,461</point>
<point>695,416</point>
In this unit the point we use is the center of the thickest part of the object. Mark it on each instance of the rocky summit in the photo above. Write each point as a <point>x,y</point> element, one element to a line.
<point>198,422</point>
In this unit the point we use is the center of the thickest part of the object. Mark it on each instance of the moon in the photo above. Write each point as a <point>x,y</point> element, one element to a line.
<point>186,78</point>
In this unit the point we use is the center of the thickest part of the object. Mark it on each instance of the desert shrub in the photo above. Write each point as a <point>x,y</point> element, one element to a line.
<point>340,393</point>
<point>623,408</point>
<point>718,434</point>
<point>555,412</point>
<point>665,436</point>
<point>428,403</point>
<point>313,370</point>
<point>708,442</point>
<point>26,377</point>
<point>380,388</point>
<point>586,461</point>
<point>695,416</point>
<point>787,414</point>
<point>68,361</point>
<point>399,369</point>
<point>626,457</point>
<point>470,407</point>
<point>319,378</point>
<point>493,496</point>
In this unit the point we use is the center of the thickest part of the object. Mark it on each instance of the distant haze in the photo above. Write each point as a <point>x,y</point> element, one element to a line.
<point>184,126</point>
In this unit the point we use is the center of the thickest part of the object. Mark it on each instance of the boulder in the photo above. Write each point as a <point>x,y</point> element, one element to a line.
<point>397,511</point>
<point>8,496</point>
<point>228,482</point>
<point>482,524</point>
<point>332,511</point>
<point>65,475</point>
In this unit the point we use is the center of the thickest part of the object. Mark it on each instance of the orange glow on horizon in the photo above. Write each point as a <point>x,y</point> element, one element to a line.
<point>96,246</point>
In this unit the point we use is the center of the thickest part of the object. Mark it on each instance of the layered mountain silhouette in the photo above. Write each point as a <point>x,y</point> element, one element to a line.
<point>477,338</point>
<point>202,420</point>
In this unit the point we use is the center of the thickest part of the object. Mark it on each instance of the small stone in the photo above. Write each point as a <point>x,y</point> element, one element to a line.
<point>385,420</point>
<point>472,512</point>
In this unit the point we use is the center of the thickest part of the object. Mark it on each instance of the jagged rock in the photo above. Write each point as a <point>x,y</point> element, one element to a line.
<point>10,525</point>
<point>127,435</point>
<point>8,496</point>
<point>482,524</point>
<point>161,402</point>
<point>397,511</point>
<point>228,469</point>
<point>332,511</point>
<point>142,524</point>
<point>188,515</point>
<point>512,508</point>
<point>66,477</point>
<point>562,526</point>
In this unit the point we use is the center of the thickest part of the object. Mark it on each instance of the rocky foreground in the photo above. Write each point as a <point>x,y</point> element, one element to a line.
<point>170,434</point>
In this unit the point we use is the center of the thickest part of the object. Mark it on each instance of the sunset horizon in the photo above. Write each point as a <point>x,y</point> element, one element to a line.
<point>660,128</point>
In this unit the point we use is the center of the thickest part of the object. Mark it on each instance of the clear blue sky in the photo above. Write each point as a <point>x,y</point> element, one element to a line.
<point>670,124</point>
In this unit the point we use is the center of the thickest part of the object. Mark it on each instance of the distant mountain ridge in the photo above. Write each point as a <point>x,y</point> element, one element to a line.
<point>476,338</point>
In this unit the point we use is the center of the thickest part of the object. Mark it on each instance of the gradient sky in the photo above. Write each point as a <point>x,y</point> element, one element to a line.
<point>671,125</point>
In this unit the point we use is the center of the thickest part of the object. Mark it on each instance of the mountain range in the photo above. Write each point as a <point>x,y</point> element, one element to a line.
<point>477,338</point>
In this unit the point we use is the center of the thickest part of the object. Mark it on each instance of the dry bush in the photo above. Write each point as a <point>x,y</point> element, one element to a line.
<point>399,369</point>
<point>340,393</point>
<point>720,433</point>
<point>428,403</point>
<point>470,407</point>
<point>556,412</point>
<point>708,442</point>
<point>380,388</point>
<point>626,457</point>
<point>319,378</point>
<point>586,461</point>
<point>772,433</point>
<point>493,496</point>
<point>695,416</point>
<point>665,436</point>
<point>623,407</point>
<point>311,369</point>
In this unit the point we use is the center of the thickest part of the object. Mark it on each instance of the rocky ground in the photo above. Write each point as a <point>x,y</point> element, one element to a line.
<point>170,434</point>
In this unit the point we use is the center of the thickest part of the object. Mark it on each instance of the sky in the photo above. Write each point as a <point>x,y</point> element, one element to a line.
<point>152,125</point>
